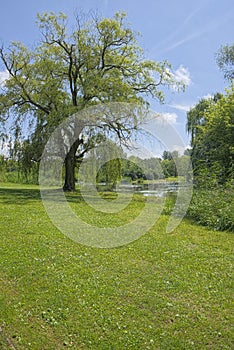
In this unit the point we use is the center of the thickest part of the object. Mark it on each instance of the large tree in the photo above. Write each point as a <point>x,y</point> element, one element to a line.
<point>97,62</point>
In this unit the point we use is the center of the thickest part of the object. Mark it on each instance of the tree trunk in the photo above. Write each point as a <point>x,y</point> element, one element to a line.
<point>70,163</point>
<point>70,160</point>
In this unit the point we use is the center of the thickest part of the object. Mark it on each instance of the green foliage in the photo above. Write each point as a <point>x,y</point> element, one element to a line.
<point>196,117</point>
<point>214,207</point>
<point>119,168</point>
<point>19,166</point>
<point>169,168</point>
<point>110,173</point>
<point>167,155</point>
<point>174,165</point>
<point>133,168</point>
<point>136,168</point>
<point>218,136</point>
<point>211,123</point>
<point>2,169</point>
<point>225,61</point>
<point>111,165</point>
<point>152,168</point>
<point>99,61</point>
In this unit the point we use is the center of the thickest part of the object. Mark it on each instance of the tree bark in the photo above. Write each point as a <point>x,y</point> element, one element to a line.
<point>70,164</point>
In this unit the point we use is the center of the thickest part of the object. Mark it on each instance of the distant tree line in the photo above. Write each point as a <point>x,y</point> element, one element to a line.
<point>20,167</point>
<point>155,168</point>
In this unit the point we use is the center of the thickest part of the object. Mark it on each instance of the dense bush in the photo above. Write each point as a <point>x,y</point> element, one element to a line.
<point>211,125</point>
<point>213,207</point>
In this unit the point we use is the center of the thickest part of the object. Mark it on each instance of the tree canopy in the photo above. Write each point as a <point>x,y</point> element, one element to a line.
<point>225,61</point>
<point>211,123</point>
<point>98,61</point>
<point>196,116</point>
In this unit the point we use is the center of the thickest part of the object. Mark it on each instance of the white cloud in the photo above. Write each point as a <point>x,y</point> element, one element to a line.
<point>180,149</point>
<point>170,118</point>
<point>4,75</point>
<point>208,97</point>
<point>182,74</point>
<point>184,108</point>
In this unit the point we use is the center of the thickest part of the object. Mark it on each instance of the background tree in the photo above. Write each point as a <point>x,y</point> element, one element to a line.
<point>152,168</point>
<point>169,168</point>
<point>169,163</point>
<point>108,159</point>
<point>196,115</point>
<point>196,121</point>
<point>225,61</point>
<point>97,62</point>
<point>2,168</point>
<point>213,143</point>
<point>132,168</point>
<point>210,123</point>
<point>167,155</point>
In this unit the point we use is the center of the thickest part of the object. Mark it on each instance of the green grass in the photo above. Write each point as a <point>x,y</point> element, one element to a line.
<point>163,291</point>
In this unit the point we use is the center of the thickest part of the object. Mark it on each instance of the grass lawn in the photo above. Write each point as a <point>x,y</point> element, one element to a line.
<point>163,291</point>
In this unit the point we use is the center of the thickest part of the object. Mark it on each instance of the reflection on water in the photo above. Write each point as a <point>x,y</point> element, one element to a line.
<point>159,189</point>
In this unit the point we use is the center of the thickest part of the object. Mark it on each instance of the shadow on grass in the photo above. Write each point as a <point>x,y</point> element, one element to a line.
<point>18,195</point>
<point>23,196</point>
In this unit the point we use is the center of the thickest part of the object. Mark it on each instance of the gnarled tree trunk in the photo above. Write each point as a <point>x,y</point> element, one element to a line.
<point>69,182</point>
<point>70,165</point>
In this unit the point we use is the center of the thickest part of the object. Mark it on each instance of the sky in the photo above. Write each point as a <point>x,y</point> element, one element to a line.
<point>186,33</point>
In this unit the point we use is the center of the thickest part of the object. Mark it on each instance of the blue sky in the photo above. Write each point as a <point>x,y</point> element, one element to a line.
<point>186,33</point>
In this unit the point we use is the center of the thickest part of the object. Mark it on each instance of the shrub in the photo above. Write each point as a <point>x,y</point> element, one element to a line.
<point>213,207</point>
